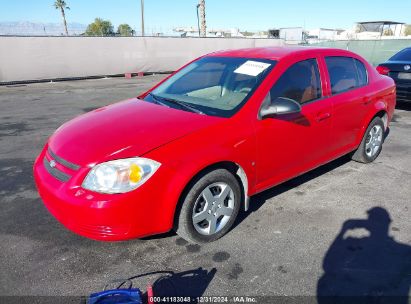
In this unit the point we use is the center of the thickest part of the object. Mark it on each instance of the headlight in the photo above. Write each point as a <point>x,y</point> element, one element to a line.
<point>120,176</point>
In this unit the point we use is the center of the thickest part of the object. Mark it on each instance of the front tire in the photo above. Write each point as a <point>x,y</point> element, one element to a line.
<point>210,207</point>
<point>371,144</point>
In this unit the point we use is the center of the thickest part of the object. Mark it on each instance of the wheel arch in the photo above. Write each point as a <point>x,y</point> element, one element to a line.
<point>383,114</point>
<point>233,167</point>
<point>380,110</point>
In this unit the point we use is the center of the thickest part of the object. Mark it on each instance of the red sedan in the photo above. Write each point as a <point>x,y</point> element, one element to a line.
<point>189,153</point>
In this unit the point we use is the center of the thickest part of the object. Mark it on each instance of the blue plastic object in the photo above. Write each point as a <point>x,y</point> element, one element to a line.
<point>116,296</point>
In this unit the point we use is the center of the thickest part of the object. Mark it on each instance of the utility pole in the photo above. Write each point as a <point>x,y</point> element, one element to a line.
<point>142,17</point>
<point>198,21</point>
<point>203,28</point>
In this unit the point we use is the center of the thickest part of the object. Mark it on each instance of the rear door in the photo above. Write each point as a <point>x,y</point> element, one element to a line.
<point>348,92</point>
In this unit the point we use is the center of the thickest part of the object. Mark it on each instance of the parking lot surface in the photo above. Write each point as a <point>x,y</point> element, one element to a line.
<point>289,242</point>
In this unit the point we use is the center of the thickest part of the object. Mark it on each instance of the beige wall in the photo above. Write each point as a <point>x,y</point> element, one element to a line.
<point>30,58</point>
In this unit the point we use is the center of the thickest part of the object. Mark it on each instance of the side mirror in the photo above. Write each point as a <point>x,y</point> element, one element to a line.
<point>280,106</point>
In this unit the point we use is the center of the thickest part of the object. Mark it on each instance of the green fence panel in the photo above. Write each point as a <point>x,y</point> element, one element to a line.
<point>375,51</point>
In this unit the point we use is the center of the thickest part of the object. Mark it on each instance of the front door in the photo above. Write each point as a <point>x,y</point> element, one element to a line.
<point>290,144</point>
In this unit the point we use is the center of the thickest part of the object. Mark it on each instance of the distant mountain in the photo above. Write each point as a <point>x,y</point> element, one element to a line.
<point>26,28</point>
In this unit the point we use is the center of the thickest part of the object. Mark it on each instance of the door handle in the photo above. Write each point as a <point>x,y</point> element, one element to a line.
<point>323,116</point>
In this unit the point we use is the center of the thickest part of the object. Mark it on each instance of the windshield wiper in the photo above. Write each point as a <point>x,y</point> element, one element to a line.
<point>157,100</point>
<point>178,102</point>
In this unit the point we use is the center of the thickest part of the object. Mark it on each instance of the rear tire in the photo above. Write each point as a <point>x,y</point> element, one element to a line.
<point>210,207</point>
<point>371,144</point>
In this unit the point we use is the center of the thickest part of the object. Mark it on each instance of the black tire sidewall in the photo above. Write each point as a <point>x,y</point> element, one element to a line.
<point>185,224</point>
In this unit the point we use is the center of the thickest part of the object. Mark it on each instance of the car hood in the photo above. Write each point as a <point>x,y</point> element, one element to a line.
<point>126,129</point>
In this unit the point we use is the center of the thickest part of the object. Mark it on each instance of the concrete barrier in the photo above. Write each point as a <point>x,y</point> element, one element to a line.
<point>35,58</point>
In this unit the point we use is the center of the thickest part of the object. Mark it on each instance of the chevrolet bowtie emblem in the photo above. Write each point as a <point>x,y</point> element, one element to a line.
<point>52,163</point>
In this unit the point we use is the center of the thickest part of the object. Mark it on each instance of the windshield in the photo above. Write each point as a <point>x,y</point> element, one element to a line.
<point>216,86</point>
<point>404,55</point>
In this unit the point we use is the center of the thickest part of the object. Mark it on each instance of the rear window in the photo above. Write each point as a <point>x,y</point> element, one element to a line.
<point>346,74</point>
<point>362,73</point>
<point>404,55</point>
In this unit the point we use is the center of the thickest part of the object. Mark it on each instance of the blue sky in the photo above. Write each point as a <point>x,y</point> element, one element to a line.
<point>162,15</point>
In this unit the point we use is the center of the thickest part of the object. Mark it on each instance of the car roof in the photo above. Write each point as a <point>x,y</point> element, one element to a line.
<point>277,53</point>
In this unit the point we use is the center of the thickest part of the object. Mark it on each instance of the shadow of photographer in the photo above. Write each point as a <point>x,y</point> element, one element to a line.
<point>366,269</point>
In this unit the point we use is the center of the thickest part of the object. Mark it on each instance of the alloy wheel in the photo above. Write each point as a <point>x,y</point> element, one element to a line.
<point>373,141</point>
<point>213,208</point>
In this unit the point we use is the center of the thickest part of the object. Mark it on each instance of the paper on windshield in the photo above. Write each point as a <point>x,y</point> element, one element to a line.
<point>252,68</point>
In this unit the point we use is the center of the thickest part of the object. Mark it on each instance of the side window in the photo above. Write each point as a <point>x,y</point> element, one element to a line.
<point>346,73</point>
<point>300,82</point>
<point>362,73</point>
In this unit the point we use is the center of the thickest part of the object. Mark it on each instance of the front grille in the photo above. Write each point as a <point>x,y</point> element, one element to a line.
<point>56,172</point>
<point>61,176</point>
<point>63,162</point>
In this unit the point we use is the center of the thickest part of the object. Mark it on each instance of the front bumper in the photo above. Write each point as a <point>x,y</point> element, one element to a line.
<point>107,217</point>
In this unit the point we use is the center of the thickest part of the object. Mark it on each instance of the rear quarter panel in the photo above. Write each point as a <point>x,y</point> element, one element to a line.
<point>382,88</point>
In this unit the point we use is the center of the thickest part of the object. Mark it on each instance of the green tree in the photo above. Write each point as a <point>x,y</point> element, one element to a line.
<point>407,31</point>
<point>100,27</point>
<point>62,6</point>
<point>125,30</point>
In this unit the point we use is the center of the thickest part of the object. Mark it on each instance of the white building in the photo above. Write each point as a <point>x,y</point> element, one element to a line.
<point>292,34</point>
<point>322,34</point>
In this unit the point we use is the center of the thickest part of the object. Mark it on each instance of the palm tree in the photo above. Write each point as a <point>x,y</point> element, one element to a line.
<point>62,6</point>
